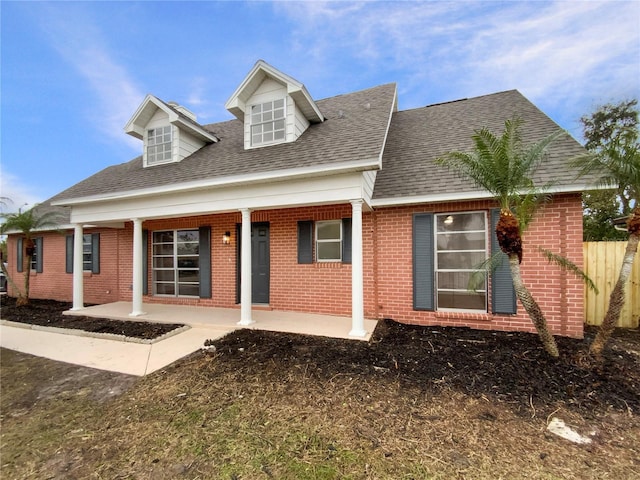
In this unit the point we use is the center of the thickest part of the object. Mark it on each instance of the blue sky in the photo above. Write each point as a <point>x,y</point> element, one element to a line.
<point>73,73</point>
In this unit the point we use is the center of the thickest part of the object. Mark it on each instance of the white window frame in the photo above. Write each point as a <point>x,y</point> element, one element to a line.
<point>33,266</point>
<point>159,149</point>
<point>437,268</point>
<point>175,268</point>
<point>87,252</point>
<point>319,241</point>
<point>265,121</point>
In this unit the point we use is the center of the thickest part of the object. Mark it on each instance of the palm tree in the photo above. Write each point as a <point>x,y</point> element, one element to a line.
<point>504,166</point>
<point>28,223</point>
<point>617,166</point>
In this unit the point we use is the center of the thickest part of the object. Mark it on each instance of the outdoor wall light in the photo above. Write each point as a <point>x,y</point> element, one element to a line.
<point>226,238</point>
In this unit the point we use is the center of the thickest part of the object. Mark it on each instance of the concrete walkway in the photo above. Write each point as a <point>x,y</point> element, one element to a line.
<point>105,354</point>
<point>142,359</point>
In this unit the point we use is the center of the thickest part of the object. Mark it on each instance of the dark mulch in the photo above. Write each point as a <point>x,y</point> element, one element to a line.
<point>48,313</point>
<point>510,367</point>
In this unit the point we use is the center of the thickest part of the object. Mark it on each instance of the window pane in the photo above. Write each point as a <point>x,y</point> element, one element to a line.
<point>462,300</point>
<point>188,276</point>
<point>457,222</point>
<point>163,249</point>
<point>328,230</point>
<point>162,237</point>
<point>461,241</point>
<point>460,260</point>
<point>278,103</point>
<point>267,137</point>
<point>165,275</point>
<point>165,289</point>
<point>278,135</point>
<point>457,281</point>
<point>162,262</point>
<point>188,262</point>
<point>279,124</point>
<point>189,290</point>
<point>329,251</point>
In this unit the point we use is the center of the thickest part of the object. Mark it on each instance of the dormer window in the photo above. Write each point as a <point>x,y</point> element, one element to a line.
<point>268,122</point>
<point>159,145</point>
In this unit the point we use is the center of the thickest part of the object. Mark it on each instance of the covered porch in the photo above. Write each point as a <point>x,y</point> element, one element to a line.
<point>228,319</point>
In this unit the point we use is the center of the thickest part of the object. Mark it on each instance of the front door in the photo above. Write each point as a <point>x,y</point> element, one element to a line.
<point>260,263</point>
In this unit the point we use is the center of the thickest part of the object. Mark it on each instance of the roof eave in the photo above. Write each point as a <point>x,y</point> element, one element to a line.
<point>461,196</point>
<point>230,181</point>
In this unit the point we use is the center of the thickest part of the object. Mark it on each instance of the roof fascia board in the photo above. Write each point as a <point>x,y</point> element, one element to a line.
<point>136,130</point>
<point>461,196</point>
<point>315,171</point>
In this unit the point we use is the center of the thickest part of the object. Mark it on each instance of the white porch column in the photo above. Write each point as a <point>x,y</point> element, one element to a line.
<point>137,269</point>
<point>78,277</point>
<point>357,283</point>
<point>245,269</point>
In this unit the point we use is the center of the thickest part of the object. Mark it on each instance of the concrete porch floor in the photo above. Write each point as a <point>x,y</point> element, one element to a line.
<point>142,359</point>
<point>227,319</point>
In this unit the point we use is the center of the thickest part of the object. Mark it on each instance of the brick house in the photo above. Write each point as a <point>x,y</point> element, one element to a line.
<point>332,206</point>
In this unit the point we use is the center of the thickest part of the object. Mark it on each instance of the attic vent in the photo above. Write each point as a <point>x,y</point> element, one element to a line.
<point>183,110</point>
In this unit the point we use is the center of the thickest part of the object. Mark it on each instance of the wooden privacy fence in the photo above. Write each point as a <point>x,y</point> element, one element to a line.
<point>602,262</point>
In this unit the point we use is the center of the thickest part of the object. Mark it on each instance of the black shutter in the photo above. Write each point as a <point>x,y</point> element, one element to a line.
<point>346,240</point>
<point>305,241</point>
<point>19,255</point>
<point>95,253</point>
<point>69,254</point>
<point>40,255</point>
<point>205,262</point>
<point>145,262</point>
<point>503,295</point>
<point>423,284</point>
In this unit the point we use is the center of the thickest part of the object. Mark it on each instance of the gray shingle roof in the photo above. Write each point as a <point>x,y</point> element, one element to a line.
<point>418,136</point>
<point>354,130</point>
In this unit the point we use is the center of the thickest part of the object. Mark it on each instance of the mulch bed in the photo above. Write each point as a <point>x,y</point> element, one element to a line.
<point>48,313</point>
<point>510,367</point>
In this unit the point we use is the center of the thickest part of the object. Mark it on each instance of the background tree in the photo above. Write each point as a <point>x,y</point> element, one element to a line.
<point>617,165</point>
<point>504,166</point>
<point>600,129</point>
<point>27,223</point>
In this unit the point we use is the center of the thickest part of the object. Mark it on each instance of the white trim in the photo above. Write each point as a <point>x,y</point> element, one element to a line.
<point>245,269</point>
<point>461,196</point>
<point>357,282</point>
<point>286,174</point>
<point>78,267</point>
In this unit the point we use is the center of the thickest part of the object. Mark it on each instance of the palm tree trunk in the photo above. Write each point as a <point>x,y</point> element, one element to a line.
<point>617,298</point>
<point>532,308</point>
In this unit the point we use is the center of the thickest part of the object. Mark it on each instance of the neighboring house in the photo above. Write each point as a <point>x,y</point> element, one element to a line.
<point>330,206</point>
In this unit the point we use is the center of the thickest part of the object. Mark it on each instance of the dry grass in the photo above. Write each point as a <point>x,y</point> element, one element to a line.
<point>257,414</point>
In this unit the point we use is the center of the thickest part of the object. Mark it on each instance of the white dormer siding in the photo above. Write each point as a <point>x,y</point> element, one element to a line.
<point>183,143</point>
<point>263,86</point>
<point>265,95</point>
<point>168,123</point>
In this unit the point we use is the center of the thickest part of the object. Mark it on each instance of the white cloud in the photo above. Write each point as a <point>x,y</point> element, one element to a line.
<point>18,193</point>
<point>80,42</point>
<point>559,52</point>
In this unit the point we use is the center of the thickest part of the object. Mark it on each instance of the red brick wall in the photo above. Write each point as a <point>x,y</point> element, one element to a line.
<point>54,283</point>
<point>326,287</point>
<point>557,227</point>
